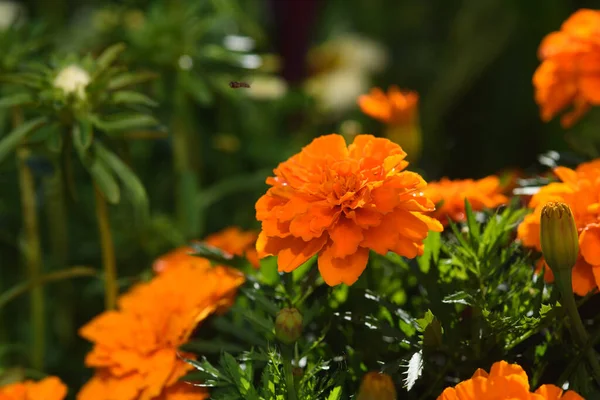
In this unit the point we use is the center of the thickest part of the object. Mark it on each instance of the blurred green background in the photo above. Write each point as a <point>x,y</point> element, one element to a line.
<point>471,61</point>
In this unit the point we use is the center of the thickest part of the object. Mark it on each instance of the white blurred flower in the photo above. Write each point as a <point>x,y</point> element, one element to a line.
<point>342,69</point>
<point>10,12</point>
<point>267,88</point>
<point>337,91</point>
<point>73,80</point>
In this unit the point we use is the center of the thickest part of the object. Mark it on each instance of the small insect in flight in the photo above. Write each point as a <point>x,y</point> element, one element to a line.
<point>237,85</point>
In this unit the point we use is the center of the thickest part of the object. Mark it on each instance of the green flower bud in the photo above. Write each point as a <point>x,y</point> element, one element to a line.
<point>377,386</point>
<point>558,236</point>
<point>288,325</point>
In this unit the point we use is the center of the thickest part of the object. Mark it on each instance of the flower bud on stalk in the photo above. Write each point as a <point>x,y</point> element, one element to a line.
<point>558,236</point>
<point>560,246</point>
<point>288,325</point>
<point>377,386</point>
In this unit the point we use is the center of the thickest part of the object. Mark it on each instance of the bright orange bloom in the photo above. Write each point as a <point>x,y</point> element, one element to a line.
<point>504,382</point>
<point>339,201</point>
<point>398,110</point>
<point>570,69</point>
<point>397,107</point>
<point>50,388</point>
<point>377,386</point>
<point>135,347</point>
<point>231,240</point>
<point>580,190</point>
<point>449,197</point>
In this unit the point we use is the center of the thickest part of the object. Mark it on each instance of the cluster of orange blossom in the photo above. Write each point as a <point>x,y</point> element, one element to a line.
<point>505,381</point>
<point>135,347</point>
<point>338,201</point>
<point>580,190</point>
<point>570,70</point>
<point>50,388</point>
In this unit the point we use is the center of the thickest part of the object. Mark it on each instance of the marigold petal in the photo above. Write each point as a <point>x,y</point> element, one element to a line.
<point>345,237</point>
<point>583,278</point>
<point>550,392</point>
<point>589,244</point>
<point>314,221</point>
<point>342,270</point>
<point>291,252</point>
<point>449,394</point>
<point>327,146</point>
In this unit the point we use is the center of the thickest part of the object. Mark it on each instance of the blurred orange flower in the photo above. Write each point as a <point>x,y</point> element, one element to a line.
<point>339,201</point>
<point>135,347</point>
<point>395,107</point>
<point>231,240</point>
<point>449,197</point>
<point>399,111</point>
<point>570,69</point>
<point>50,388</point>
<point>505,381</point>
<point>580,190</point>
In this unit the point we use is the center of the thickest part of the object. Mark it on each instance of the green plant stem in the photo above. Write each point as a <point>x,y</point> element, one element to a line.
<point>564,284</point>
<point>16,291</point>
<point>33,257</point>
<point>111,288</point>
<point>286,353</point>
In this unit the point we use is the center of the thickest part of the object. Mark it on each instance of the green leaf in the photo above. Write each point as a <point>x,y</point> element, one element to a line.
<point>131,183</point>
<point>17,99</point>
<point>125,122</point>
<point>83,133</point>
<point>25,79</point>
<point>432,245</point>
<point>198,89</point>
<point>108,57</point>
<point>474,230</point>
<point>129,79</point>
<point>218,256</point>
<point>13,139</point>
<point>130,97</point>
<point>460,298</point>
<point>100,173</point>
<point>335,394</point>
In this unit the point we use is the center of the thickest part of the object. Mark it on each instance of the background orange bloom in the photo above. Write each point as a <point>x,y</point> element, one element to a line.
<point>449,196</point>
<point>395,107</point>
<point>580,190</point>
<point>570,69</point>
<point>135,348</point>
<point>231,240</point>
<point>50,388</point>
<point>339,201</point>
<point>505,381</point>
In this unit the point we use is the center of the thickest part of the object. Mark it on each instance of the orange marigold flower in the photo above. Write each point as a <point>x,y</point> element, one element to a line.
<point>580,190</point>
<point>377,386</point>
<point>570,69</point>
<point>339,201</point>
<point>449,196</point>
<point>231,240</point>
<point>135,347</point>
<point>396,107</point>
<point>505,381</point>
<point>50,388</point>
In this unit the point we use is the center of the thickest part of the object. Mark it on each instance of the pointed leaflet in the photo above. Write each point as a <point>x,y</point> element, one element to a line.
<point>131,183</point>
<point>129,97</point>
<point>474,230</point>
<point>100,173</point>
<point>108,57</point>
<point>129,79</point>
<point>84,134</point>
<point>12,140</point>
<point>17,99</point>
<point>124,122</point>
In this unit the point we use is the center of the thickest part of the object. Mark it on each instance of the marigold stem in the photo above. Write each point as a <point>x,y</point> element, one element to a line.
<point>563,281</point>
<point>33,257</point>
<point>111,289</point>
<point>286,354</point>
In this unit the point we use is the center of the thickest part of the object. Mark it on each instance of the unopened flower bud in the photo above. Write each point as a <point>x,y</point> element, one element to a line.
<point>377,386</point>
<point>558,236</point>
<point>288,325</point>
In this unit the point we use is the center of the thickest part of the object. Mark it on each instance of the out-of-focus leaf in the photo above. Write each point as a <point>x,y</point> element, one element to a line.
<point>25,79</point>
<point>126,97</point>
<point>196,87</point>
<point>131,183</point>
<point>129,79</point>
<point>460,298</point>
<point>124,122</point>
<point>100,173</point>
<point>12,140</point>
<point>84,134</point>
<point>335,394</point>
<point>218,256</point>
<point>17,99</point>
<point>108,57</point>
